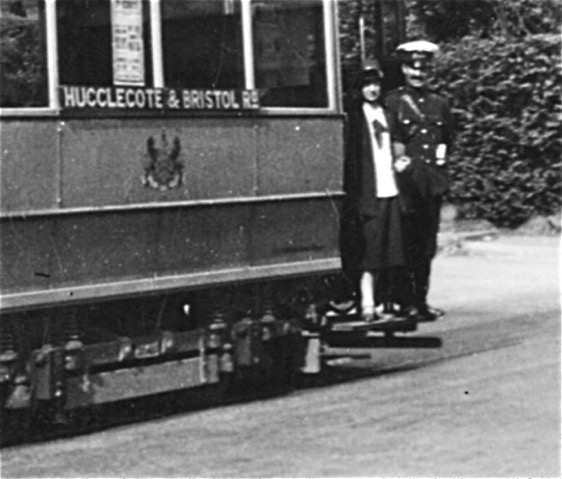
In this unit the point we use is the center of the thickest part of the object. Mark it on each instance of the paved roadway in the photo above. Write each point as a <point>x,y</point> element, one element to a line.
<point>487,404</point>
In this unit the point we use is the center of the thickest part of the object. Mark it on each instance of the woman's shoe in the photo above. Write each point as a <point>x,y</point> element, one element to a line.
<point>369,315</point>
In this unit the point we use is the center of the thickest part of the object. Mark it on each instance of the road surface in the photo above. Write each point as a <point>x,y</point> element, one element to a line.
<point>486,404</point>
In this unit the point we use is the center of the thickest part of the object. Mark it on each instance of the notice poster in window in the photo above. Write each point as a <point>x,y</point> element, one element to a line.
<point>128,45</point>
<point>282,44</point>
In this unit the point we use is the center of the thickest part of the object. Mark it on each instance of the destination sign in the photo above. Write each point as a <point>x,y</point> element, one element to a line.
<point>130,98</point>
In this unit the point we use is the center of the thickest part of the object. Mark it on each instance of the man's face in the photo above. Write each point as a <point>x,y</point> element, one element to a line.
<point>371,90</point>
<point>416,73</point>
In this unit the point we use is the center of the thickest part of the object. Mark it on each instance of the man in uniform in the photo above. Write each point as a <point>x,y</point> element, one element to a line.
<point>421,129</point>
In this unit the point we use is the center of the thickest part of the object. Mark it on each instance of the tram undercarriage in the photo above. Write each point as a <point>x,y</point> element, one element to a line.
<point>263,336</point>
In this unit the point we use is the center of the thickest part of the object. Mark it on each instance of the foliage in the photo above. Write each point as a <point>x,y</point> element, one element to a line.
<point>506,166</point>
<point>349,12</point>
<point>450,20</point>
<point>443,20</point>
<point>501,66</point>
<point>22,65</point>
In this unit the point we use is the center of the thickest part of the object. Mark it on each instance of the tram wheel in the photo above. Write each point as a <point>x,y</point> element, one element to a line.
<point>15,425</point>
<point>280,371</point>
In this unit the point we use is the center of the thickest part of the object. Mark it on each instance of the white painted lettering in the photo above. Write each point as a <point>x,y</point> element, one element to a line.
<point>158,99</point>
<point>234,103</point>
<point>91,97</point>
<point>255,103</point>
<point>246,100</point>
<point>81,97</point>
<point>140,98</point>
<point>111,101</point>
<point>217,94</point>
<point>186,100</point>
<point>173,100</point>
<point>225,100</point>
<point>150,97</point>
<point>130,98</point>
<point>154,98</point>
<point>209,99</point>
<point>195,99</point>
<point>102,102</point>
<point>69,100</point>
<point>120,94</point>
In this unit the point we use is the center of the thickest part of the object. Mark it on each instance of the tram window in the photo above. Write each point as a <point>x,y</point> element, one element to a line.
<point>202,43</point>
<point>88,37</point>
<point>289,52</point>
<point>23,72</point>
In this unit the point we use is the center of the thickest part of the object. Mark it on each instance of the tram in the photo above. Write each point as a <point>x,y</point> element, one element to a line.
<point>171,196</point>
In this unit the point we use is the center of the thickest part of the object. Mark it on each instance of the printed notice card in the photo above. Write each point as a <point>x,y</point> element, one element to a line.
<point>128,45</point>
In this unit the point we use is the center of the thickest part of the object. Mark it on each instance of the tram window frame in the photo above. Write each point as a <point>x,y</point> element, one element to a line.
<point>82,22</point>
<point>26,20</point>
<point>219,56</point>
<point>156,67</point>
<point>289,53</point>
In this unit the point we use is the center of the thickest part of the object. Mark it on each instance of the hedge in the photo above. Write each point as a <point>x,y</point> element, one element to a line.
<point>22,65</point>
<point>506,96</point>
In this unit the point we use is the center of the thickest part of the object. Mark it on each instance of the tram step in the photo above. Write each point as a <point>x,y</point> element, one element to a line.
<point>346,340</point>
<point>384,325</point>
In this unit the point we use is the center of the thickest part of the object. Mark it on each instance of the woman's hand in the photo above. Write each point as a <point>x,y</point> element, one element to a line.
<point>402,163</point>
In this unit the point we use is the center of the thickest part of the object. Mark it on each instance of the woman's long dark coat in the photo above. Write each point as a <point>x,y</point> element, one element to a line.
<point>359,185</point>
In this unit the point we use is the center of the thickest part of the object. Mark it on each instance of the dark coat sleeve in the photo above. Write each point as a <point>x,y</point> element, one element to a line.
<point>359,185</point>
<point>359,173</point>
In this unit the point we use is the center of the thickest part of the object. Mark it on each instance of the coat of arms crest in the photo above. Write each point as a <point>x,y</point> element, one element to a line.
<point>163,169</point>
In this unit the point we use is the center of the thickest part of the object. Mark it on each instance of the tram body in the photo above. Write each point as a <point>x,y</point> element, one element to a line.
<point>91,210</point>
<point>171,193</point>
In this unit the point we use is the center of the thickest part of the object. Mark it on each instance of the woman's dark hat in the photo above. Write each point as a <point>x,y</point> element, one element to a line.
<point>370,70</point>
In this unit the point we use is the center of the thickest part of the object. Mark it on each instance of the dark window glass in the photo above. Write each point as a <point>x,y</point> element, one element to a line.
<point>86,49</point>
<point>289,53</point>
<point>202,43</point>
<point>23,65</point>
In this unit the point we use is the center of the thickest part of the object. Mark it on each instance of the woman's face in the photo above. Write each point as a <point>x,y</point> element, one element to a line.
<point>371,90</point>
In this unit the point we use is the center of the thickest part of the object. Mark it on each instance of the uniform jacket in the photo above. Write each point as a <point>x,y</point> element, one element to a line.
<point>421,120</point>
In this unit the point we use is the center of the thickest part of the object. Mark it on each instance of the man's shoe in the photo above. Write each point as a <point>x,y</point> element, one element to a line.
<point>436,311</point>
<point>410,312</point>
<point>427,313</point>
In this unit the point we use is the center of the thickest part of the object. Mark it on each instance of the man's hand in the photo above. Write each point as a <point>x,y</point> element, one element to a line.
<point>402,163</point>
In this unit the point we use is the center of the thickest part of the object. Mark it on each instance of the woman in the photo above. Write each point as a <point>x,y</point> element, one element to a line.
<point>372,186</point>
